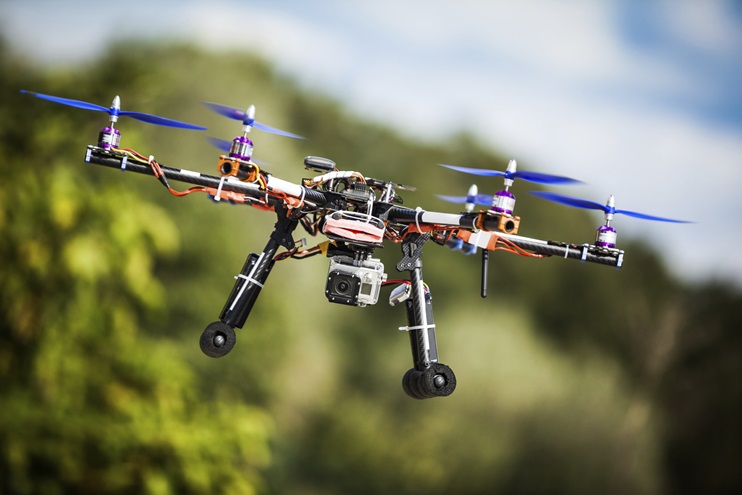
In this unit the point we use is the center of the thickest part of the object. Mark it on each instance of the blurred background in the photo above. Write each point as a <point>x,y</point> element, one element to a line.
<point>571,378</point>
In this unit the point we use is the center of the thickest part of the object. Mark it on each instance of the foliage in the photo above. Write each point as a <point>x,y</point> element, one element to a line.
<point>91,402</point>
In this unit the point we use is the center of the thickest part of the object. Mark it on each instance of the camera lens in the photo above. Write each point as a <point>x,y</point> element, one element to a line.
<point>342,287</point>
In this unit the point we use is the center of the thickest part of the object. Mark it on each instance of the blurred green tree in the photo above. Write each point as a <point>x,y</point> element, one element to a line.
<point>91,403</point>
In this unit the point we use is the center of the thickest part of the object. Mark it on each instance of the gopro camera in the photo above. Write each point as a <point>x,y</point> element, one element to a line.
<point>354,282</point>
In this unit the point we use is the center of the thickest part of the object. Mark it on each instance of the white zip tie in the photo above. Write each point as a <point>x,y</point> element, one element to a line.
<point>123,163</point>
<point>417,327</point>
<point>219,189</point>
<point>249,279</point>
<point>417,218</point>
<point>301,199</point>
<point>566,252</point>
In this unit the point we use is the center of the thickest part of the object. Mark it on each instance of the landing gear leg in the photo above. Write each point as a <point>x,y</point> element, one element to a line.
<point>428,378</point>
<point>219,337</point>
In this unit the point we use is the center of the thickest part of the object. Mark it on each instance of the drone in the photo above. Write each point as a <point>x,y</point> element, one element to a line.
<point>356,214</point>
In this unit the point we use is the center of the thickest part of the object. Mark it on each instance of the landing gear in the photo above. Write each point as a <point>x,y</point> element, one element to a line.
<point>428,378</point>
<point>217,339</point>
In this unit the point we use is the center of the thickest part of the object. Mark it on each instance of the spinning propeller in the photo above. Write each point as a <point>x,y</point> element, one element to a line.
<point>241,147</point>
<point>502,201</point>
<point>471,199</point>
<point>247,117</point>
<point>511,174</point>
<point>606,235</point>
<point>115,111</point>
<point>608,208</point>
<point>110,137</point>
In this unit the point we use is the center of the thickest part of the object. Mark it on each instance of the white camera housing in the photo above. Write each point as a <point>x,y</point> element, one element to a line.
<point>352,282</point>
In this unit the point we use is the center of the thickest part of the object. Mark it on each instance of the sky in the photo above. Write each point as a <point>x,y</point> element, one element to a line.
<point>640,99</point>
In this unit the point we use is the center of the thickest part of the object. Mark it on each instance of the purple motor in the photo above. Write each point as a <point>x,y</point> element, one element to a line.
<point>241,148</point>
<point>109,137</point>
<point>606,236</point>
<point>503,202</point>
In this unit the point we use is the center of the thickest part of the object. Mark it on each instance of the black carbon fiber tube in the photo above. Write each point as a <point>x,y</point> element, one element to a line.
<point>566,251</point>
<point>401,214</point>
<point>99,157</point>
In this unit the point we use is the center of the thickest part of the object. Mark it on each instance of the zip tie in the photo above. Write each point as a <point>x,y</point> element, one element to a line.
<point>417,327</point>
<point>301,200</point>
<point>417,218</point>
<point>249,279</point>
<point>566,252</point>
<point>219,189</point>
<point>123,163</point>
<point>157,170</point>
<point>584,252</point>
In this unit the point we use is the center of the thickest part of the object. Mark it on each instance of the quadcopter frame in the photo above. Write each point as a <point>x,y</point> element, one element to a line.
<point>363,220</point>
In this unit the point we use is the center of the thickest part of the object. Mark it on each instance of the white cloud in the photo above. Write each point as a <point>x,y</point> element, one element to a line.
<point>707,26</point>
<point>286,39</point>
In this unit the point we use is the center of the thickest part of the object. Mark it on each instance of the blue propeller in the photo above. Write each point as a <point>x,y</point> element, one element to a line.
<point>609,209</point>
<point>248,119</point>
<point>471,199</point>
<point>511,173</point>
<point>479,199</point>
<point>115,111</point>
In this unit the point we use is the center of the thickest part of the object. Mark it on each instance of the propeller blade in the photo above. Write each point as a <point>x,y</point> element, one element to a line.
<point>237,114</point>
<point>144,117</point>
<point>221,144</point>
<point>570,201</point>
<point>273,130</point>
<point>229,112</point>
<point>154,119</point>
<point>649,217</point>
<point>527,176</point>
<point>540,178</point>
<point>69,102</point>
<point>592,205</point>
<point>480,199</point>
<point>475,171</point>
